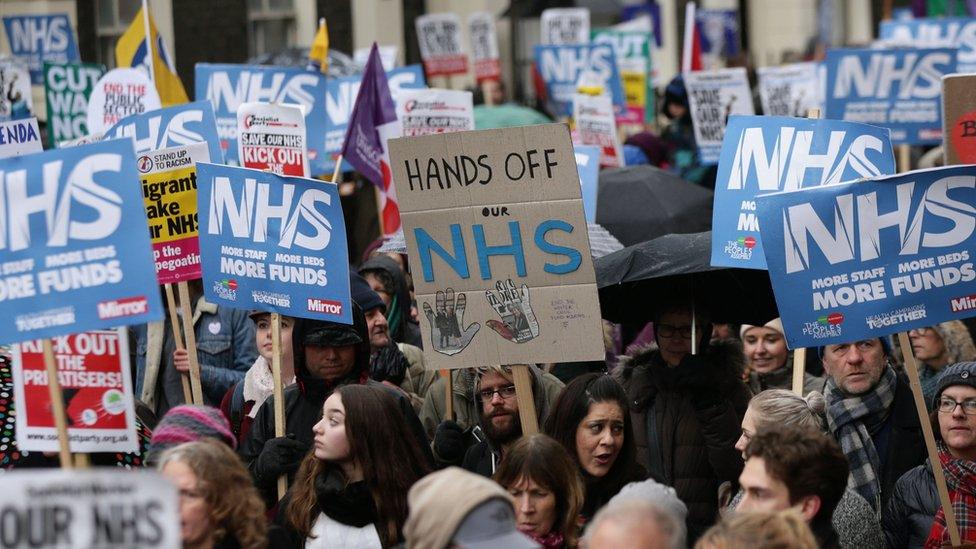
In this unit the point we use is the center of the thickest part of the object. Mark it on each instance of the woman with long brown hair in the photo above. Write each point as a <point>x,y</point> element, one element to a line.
<point>545,482</point>
<point>219,506</point>
<point>351,490</point>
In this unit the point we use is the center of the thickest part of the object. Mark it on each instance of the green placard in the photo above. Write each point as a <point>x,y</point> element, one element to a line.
<point>633,53</point>
<point>67,88</point>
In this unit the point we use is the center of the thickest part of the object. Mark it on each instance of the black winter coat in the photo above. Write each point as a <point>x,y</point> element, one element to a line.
<point>698,408</point>
<point>906,446</point>
<point>911,509</point>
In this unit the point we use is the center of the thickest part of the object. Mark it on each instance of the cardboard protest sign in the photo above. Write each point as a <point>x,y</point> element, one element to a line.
<point>714,96</point>
<point>18,137</point>
<point>341,98</point>
<point>93,370</point>
<point>595,125</point>
<point>763,154</point>
<point>565,26</point>
<point>169,190</point>
<point>273,243</point>
<point>719,34</point>
<point>936,32</point>
<point>428,111</point>
<point>66,90</point>
<point>118,94</point>
<point>870,258</point>
<point>495,230</point>
<point>272,137</point>
<point>959,118</point>
<point>899,89</point>
<point>227,87</point>
<point>588,166</point>
<point>484,46</point>
<point>790,90</point>
<point>171,127</point>
<point>39,39</point>
<point>632,50</point>
<point>388,56</point>
<point>74,251</point>
<point>107,508</point>
<point>562,66</point>
<point>439,35</point>
<point>15,101</point>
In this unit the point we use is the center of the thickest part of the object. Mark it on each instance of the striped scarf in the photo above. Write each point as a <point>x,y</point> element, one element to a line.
<point>961,477</point>
<point>851,420</point>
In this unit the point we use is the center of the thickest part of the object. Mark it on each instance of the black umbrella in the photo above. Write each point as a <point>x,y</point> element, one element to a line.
<point>635,280</point>
<point>639,203</point>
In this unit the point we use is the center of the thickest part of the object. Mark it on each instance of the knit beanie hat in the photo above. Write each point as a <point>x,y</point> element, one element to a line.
<point>960,373</point>
<point>774,324</point>
<point>189,423</point>
<point>441,501</point>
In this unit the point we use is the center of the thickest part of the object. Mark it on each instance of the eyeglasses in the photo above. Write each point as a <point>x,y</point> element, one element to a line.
<point>507,391</point>
<point>667,330</point>
<point>948,405</point>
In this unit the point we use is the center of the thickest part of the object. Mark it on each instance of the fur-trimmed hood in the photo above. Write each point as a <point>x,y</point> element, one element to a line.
<point>957,340</point>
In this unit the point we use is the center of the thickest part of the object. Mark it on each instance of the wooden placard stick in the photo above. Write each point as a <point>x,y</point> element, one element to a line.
<point>800,355</point>
<point>448,394</point>
<point>191,343</point>
<point>174,324</point>
<point>526,401</point>
<point>486,93</point>
<point>279,393</point>
<point>911,368</point>
<point>904,158</point>
<point>82,461</point>
<point>337,171</point>
<point>57,405</point>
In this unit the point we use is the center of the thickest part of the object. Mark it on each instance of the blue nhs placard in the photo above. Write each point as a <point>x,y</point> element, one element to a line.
<point>561,66</point>
<point>171,127</point>
<point>870,258</point>
<point>273,243</point>
<point>40,38</point>
<point>74,243</point>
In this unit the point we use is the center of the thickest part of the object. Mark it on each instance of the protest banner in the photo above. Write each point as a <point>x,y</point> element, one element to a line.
<point>74,252</point>
<point>588,166</point>
<point>341,98</point>
<point>562,66</point>
<point>171,127</point>
<point>273,243</point>
<point>271,137</point>
<point>388,56</point>
<point>67,88</point>
<point>719,34</point>
<point>790,90</point>
<point>632,50</point>
<point>427,111</point>
<point>713,97</point>
<point>15,101</point>
<point>94,375</point>
<point>565,26</point>
<point>868,258</point>
<point>595,125</point>
<point>120,93</point>
<point>169,190</point>
<point>19,137</point>
<point>763,154</point>
<point>39,39</point>
<point>959,118</point>
<point>439,35</point>
<point>484,46</point>
<point>495,229</point>
<point>899,89</point>
<point>941,32</point>
<point>108,509</point>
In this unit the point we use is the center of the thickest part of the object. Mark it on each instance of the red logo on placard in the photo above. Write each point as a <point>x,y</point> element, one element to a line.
<point>963,137</point>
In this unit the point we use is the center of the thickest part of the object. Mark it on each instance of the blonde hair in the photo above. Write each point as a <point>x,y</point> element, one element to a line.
<point>781,530</point>
<point>235,507</point>
<point>782,407</point>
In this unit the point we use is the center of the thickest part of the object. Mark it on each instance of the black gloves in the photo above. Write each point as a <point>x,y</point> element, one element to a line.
<point>280,456</point>
<point>389,364</point>
<point>449,446</point>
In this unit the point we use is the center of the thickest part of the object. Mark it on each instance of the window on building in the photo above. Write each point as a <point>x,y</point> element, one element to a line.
<point>112,17</point>
<point>271,25</point>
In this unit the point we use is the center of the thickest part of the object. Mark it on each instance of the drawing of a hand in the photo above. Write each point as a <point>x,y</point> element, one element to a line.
<point>445,324</point>
<point>518,322</point>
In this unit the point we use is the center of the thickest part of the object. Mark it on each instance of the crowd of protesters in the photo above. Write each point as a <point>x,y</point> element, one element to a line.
<point>662,448</point>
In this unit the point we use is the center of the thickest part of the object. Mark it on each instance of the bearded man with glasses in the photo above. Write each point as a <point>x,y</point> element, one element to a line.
<point>914,516</point>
